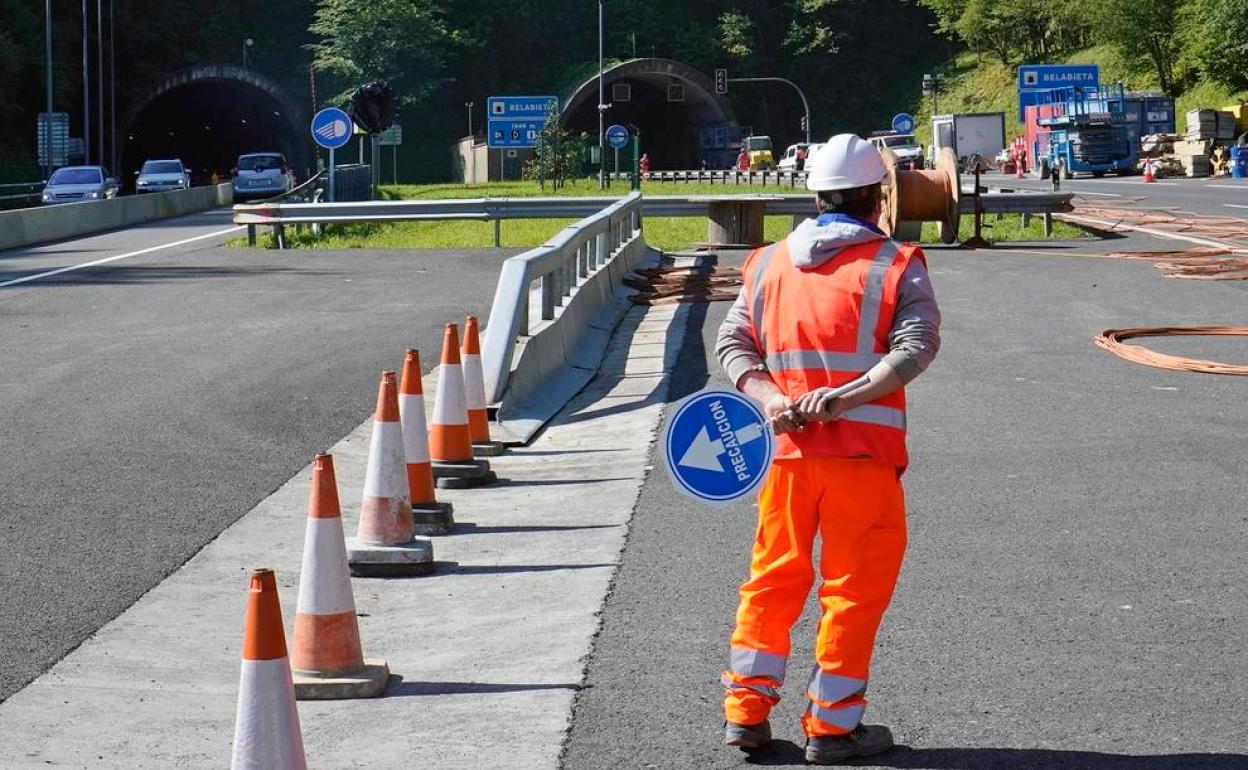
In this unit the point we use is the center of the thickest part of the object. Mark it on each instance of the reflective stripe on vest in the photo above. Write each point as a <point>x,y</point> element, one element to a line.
<point>756,301</point>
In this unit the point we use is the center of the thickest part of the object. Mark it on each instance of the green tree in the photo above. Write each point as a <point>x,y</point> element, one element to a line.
<point>1216,36</point>
<point>404,42</point>
<point>1143,34</point>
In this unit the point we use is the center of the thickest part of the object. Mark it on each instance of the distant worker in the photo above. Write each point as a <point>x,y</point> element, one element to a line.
<point>743,160</point>
<point>644,163</point>
<point>835,299</point>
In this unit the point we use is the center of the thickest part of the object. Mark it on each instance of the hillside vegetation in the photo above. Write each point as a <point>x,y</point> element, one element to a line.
<point>1194,50</point>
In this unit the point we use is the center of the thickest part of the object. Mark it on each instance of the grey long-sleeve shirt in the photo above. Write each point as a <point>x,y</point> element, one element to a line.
<point>914,337</point>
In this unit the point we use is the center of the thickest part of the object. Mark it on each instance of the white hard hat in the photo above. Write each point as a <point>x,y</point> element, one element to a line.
<point>843,163</point>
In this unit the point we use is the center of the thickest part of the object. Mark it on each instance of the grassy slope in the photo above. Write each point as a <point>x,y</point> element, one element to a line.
<point>988,86</point>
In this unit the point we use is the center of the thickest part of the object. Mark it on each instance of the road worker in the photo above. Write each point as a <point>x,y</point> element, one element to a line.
<point>837,302</point>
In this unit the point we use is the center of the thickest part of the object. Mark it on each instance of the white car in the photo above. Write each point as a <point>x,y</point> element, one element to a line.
<point>76,184</point>
<point>794,158</point>
<point>907,149</point>
<point>162,176</point>
<point>262,175</point>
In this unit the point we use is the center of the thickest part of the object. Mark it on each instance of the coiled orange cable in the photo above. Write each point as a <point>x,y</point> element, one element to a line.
<point>1113,341</point>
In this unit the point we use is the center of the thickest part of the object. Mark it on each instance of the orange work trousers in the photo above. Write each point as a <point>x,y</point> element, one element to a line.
<point>858,509</point>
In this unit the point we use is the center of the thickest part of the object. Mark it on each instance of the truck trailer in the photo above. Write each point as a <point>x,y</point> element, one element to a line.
<point>1072,131</point>
<point>976,133</point>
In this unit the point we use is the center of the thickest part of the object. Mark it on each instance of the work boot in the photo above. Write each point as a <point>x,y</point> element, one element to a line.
<point>864,741</point>
<point>747,737</point>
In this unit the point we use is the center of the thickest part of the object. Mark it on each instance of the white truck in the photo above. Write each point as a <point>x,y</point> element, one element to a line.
<point>975,133</point>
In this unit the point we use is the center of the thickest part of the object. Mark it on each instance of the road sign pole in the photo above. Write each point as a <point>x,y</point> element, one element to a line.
<point>636,161</point>
<point>47,128</point>
<point>331,175</point>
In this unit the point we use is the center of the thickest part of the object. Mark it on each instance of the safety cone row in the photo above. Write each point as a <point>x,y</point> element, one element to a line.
<point>266,724</point>
<point>429,517</point>
<point>385,544</point>
<point>474,394</point>
<point>328,660</point>
<point>450,439</point>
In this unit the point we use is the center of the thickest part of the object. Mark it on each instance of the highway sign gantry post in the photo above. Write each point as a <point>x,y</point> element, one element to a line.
<point>331,129</point>
<point>717,447</point>
<point>516,122</point>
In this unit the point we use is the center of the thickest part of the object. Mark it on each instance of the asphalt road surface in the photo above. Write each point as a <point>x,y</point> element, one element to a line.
<point>1072,596</point>
<point>150,402</point>
<point>1210,197</point>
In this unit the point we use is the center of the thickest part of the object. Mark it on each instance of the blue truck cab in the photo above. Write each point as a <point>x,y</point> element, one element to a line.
<point>1083,132</point>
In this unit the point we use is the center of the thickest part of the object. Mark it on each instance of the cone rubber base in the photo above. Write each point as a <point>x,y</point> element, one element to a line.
<point>488,448</point>
<point>368,682</point>
<point>433,518</point>
<point>465,475</point>
<point>414,558</point>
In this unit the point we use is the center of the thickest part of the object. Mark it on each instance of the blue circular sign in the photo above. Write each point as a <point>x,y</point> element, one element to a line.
<point>617,137</point>
<point>717,446</point>
<point>331,128</point>
<point>903,123</point>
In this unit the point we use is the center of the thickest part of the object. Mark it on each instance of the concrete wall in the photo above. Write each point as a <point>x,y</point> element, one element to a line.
<point>490,165</point>
<point>24,227</point>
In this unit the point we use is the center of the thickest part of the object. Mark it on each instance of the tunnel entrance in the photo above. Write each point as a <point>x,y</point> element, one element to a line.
<point>208,116</point>
<point>682,121</point>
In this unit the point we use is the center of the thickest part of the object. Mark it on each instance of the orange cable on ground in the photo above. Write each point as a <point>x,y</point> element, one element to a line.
<point>1113,340</point>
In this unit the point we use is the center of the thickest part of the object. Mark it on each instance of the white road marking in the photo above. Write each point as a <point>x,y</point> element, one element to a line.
<point>1234,206</point>
<point>106,260</point>
<point>1163,234</point>
<point>1103,195</point>
<point>1135,181</point>
<point>1225,186</point>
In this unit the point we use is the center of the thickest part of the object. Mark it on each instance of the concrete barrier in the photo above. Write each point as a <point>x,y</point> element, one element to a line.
<point>24,227</point>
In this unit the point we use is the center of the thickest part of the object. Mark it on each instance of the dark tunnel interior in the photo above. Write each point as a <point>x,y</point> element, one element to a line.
<point>208,124</point>
<point>673,133</point>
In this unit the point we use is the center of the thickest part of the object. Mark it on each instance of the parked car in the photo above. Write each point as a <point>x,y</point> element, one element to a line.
<point>262,175</point>
<point>162,176</point>
<point>794,158</point>
<point>907,149</point>
<point>76,184</point>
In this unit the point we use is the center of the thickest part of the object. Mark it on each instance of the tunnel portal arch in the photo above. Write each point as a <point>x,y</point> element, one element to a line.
<point>681,119</point>
<point>208,115</point>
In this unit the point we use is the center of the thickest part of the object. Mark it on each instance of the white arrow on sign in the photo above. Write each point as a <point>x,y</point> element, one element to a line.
<point>704,452</point>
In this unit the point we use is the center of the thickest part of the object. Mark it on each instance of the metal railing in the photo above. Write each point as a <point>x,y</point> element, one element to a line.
<point>779,177</point>
<point>14,196</point>
<point>550,301</point>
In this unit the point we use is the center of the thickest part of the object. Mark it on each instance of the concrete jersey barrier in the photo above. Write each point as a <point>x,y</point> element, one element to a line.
<point>24,227</point>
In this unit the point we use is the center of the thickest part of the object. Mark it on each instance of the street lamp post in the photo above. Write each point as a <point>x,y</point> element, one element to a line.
<point>602,110</point>
<point>248,43</point>
<point>472,144</point>
<point>47,123</point>
<point>99,81</point>
<point>86,90</point>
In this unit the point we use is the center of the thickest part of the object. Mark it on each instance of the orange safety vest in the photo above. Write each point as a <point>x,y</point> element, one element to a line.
<point>825,327</point>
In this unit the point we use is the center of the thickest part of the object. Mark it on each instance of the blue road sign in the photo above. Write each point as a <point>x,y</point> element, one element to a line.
<point>717,447</point>
<point>331,128</point>
<point>1034,79</point>
<point>533,107</point>
<point>511,133</point>
<point>617,137</point>
<point>903,123</point>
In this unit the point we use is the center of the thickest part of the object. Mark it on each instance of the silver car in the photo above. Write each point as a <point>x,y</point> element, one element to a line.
<point>262,175</point>
<point>162,176</point>
<point>76,184</point>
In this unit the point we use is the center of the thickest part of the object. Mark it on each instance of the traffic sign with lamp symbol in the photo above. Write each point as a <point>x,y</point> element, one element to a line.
<point>617,137</point>
<point>717,447</point>
<point>331,128</point>
<point>903,123</point>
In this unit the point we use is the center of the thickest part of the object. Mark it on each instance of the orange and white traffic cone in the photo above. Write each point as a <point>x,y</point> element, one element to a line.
<point>474,394</point>
<point>384,543</point>
<point>266,726</point>
<point>450,440</point>
<point>1148,171</point>
<point>429,517</point>
<point>328,661</point>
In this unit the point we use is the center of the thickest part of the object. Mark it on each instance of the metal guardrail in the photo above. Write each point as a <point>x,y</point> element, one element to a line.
<point>733,177</point>
<point>21,194</point>
<point>562,326</point>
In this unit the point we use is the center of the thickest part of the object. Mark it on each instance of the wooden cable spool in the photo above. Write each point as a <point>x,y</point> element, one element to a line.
<point>923,196</point>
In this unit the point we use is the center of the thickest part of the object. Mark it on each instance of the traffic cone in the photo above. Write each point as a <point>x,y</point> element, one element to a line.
<point>266,725</point>
<point>328,661</point>
<point>450,442</point>
<point>1148,171</point>
<point>474,394</point>
<point>429,517</point>
<point>384,543</point>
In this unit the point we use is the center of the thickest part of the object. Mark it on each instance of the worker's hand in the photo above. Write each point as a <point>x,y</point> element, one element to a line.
<point>820,405</point>
<point>782,415</point>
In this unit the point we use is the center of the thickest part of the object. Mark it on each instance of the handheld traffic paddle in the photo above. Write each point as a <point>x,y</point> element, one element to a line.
<point>717,447</point>
<point>429,517</point>
<point>328,660</point>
